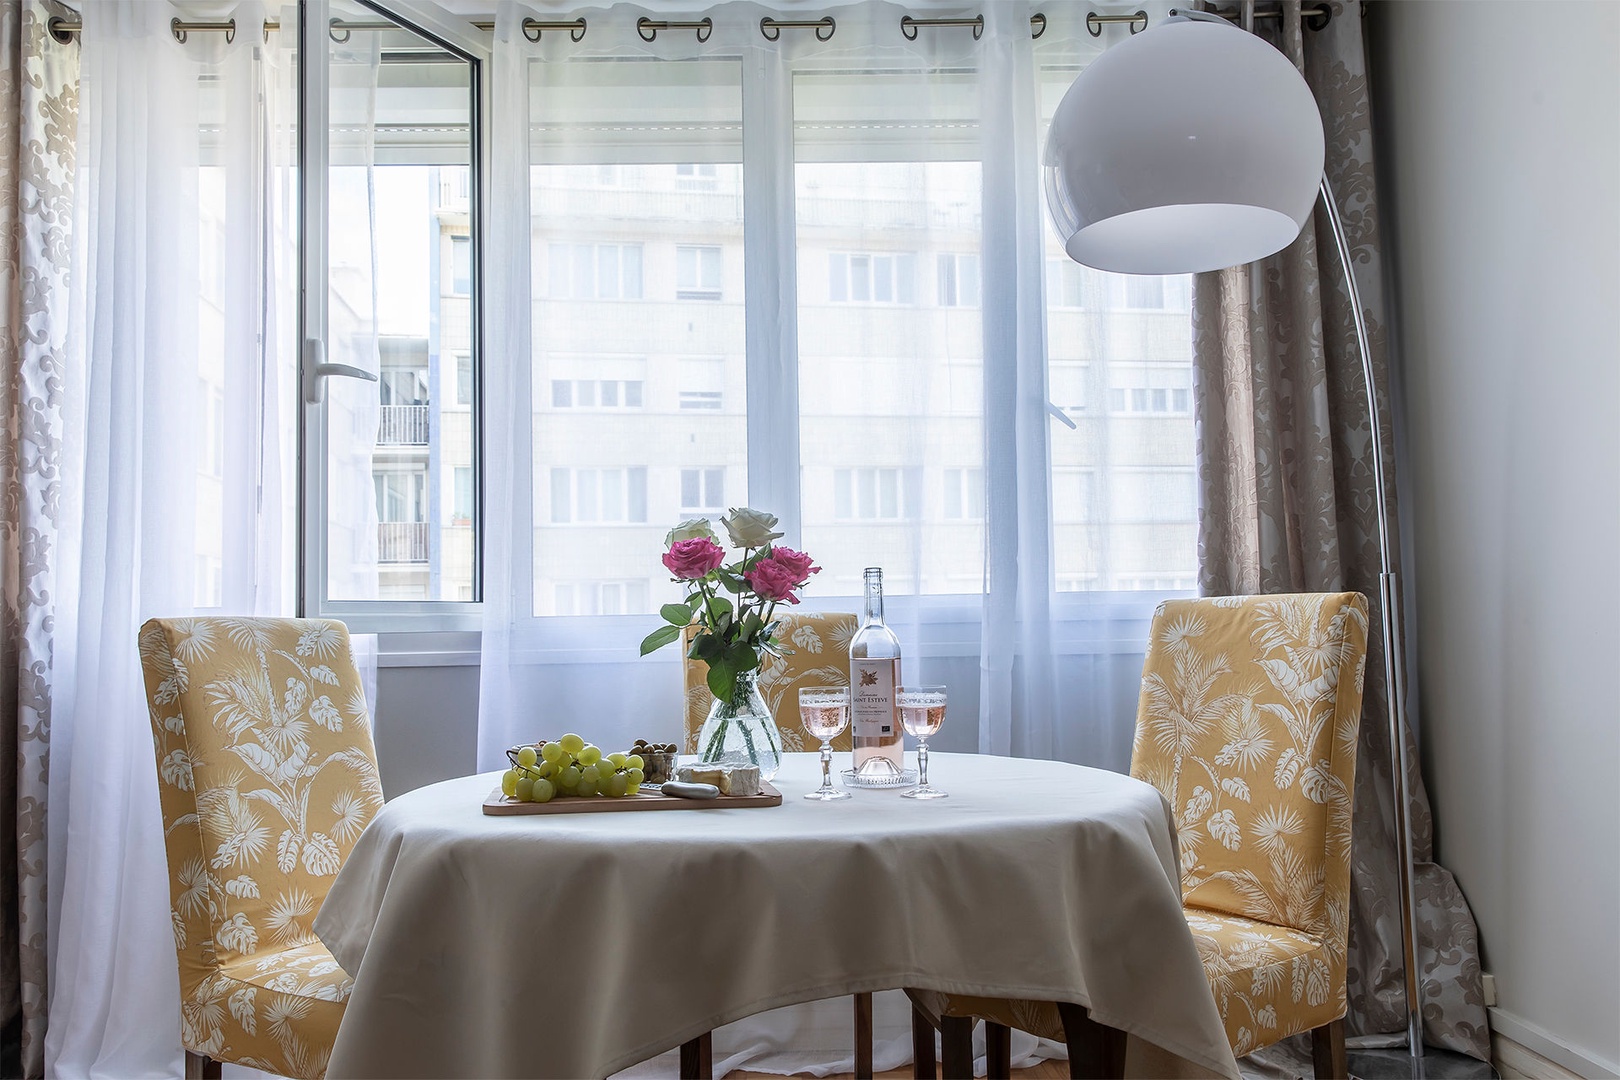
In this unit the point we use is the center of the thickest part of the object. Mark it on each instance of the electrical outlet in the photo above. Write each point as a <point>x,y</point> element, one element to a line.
<point>1490,989</point>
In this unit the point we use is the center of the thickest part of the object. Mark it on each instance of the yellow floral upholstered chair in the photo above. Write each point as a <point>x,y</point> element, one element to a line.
<point>1247,723</point>
<point>819,657</point>
<point>267,776</point>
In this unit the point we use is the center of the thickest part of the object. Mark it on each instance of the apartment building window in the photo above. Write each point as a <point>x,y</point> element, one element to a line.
<point>600,597</point>
<point>869,494</point>
<point>1073,490</point>
<point>403,386</point>
<point>1070,285</point>
<point>964,494</point>
<point>1186,581</point>
<point>463,511</point>
<point>460,265</point>
<point>464,379</point>
<point>598,496</point>
<point>213,429</point>
<point>596,393</point>
<point>958,280</point>
<point>581,271</point>
<point>703,491</point>
<point>697,272</point>
<point>1066,385</point>
<point>1150,389</point>
<point>696,177</point>
<point>702,383</point>
<point>871,279</point>
<point>1152,495</point>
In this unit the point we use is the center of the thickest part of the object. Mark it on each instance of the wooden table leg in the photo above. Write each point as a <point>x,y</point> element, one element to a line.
<point>1327,1051</point>
<point>697,1058</point>
<point>956,1037</point>
<point>997,1051</point>
<point>863,1036</point>
<point>201,1067</point>
<point>922,1047</point>
<point>1096,1051</point>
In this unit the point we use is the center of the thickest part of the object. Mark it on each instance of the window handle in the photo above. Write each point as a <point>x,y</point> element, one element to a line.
<point>1061,415</point>
<point>317,371</point>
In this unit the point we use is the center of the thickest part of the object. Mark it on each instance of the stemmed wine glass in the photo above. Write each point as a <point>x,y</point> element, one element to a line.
<point>825,713</point>
<point>922,711</point>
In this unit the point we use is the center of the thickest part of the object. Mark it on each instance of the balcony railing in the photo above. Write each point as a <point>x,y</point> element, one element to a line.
<point>403,541</point>
<point>403,425</point>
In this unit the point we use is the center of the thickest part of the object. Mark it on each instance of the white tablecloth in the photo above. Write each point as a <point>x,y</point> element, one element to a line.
<point>575,945</point>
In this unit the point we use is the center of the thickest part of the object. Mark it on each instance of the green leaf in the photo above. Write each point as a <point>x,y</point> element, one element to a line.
<point>722,680</point>
<point>707,647</point>
<point>741,657</point>
<point>659,638</point>
<point>721,607</point>
<point>732,582</point>
<point>676,614</point>
<point>751,625</point>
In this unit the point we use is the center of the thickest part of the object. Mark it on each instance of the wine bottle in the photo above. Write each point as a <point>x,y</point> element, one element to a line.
<point>874,672</point>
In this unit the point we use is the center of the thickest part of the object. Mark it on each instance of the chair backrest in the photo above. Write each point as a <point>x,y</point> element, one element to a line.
<point>266,772</point>
<point>1248,721</point>
<point>820,657</point>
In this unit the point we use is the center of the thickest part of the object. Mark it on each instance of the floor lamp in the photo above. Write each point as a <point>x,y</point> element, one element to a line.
<point>1196,146</point>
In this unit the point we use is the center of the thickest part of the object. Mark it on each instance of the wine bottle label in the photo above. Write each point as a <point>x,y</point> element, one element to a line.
<point>872,698</point>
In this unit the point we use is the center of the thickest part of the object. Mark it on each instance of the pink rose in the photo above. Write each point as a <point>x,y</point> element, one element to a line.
<point>796,561</point>
<point>692,559</point>
<point>775,578</point>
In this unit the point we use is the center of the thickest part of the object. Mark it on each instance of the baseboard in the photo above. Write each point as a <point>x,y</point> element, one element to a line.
<point>1523,1049</point>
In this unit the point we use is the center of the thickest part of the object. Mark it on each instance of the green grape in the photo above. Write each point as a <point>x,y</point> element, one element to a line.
<point>509,780</point>
<point>547,770</point>
<point>589,755</point>
<point>543,791</point>
<point>635,786</point>
<point>569,778</point>
<point>635,762</point>
<point>587,787</point>
<point>618,760</point>
<point>525,788</point>
<point>551,752</point>
<point>618,784</point>
<point>526,756</point>
<point>572,744</point>
<point>635,775</point>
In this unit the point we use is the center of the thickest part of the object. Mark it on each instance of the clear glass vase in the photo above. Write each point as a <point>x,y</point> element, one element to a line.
<point>740,730</point>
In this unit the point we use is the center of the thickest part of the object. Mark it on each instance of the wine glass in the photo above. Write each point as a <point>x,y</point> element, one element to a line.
<point>824,711</point>
<point>922,711</point>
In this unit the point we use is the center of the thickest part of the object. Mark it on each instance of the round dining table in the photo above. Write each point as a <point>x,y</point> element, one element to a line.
<point>575,945</point>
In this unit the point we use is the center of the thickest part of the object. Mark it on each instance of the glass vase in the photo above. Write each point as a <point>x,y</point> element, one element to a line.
<point>740,730</point>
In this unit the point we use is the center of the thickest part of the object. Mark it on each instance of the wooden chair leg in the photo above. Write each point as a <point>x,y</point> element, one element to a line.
<point>997,1051</point>
<point>1327,1051</point>
<point>202,1067</point>
<point>697,1058</point>
<point>863,1037</point>
<point>922,1046</point>
<point>1096,1051</point>
<point>956,1039</point>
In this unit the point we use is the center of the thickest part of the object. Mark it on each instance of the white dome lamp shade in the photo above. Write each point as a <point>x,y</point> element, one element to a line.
<point>1189,147</point>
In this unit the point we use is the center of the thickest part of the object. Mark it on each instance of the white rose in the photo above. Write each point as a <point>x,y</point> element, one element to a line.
<point>690,529</point>
<point>750,528</point>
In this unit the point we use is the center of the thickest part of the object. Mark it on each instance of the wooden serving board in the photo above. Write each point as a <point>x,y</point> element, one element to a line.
<point>499,805</point>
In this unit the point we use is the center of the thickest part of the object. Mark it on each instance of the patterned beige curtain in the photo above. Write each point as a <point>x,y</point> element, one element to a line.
<point>38,120</point>
<point>1287,497</point>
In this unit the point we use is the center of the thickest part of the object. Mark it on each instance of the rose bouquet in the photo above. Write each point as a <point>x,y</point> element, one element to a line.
<point>734,604</point>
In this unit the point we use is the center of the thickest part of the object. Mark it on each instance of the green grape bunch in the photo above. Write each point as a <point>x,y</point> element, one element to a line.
<point>570,767</point>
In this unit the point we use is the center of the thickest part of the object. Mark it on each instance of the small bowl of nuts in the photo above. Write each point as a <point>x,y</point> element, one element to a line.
<point>658,761</point>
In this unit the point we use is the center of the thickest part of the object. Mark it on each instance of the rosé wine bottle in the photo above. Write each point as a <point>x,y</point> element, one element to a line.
<point>874,672</point>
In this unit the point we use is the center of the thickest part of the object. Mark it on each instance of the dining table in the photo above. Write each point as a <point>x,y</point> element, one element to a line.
<point>576,945</point>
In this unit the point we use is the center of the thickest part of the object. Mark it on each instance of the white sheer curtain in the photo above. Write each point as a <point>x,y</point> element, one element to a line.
<point>816,277</point>
<point>177,480</point>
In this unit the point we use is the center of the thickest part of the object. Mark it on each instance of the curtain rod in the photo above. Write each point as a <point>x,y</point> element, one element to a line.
<point>1316,16</point>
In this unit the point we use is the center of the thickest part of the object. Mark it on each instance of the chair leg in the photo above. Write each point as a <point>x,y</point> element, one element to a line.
<point>997,1051</point>
<point>863,1037</point>
<point>1327,1051</point>
<point>922,1047</point>
<point>1096,1051</point>
<point>697,1058</point>
<point>956,1038</point>
<point>201,1067</point>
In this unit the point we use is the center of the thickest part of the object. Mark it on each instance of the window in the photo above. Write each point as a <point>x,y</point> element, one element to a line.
<point>1072,495</point>
<point>703,491</point>
<point>1152,495</point>
<point>596,393</point>
<point>1163,389</point>
<point>582,271</point>
<point>1070,285</point>
<point>403,386</point>
<point>701,177</point>
<point>598,496</point>
<point>964,494</point>
<point>600,597</point>
<point>871,279</point>
<point>1186,581</point>
<point>460,265</point>
<point>702,383</point>
<point>867,494</point>
<point>463,512</point>
<point>464,379</point>
<point>958,280</point>
<point>1066,385</point>
<point>213,430</point>
<point>401,495</point>
<point>697,273</point>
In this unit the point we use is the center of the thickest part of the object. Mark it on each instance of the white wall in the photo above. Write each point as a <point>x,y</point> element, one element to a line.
<point>1499,130</point>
